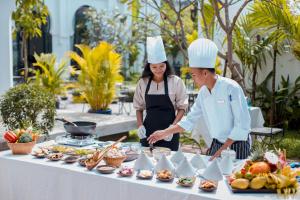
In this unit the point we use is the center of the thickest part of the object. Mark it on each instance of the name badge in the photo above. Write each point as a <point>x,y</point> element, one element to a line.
<point>220,101</point>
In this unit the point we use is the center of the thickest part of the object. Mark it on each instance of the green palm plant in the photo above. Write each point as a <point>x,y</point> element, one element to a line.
<point>251,49</point>
<point>48,74</point>
<point>276,16</point>
<point>99,72</point>
<point>275,19</point>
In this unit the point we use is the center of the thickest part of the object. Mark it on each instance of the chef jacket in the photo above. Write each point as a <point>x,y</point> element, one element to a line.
<point>224,111</point>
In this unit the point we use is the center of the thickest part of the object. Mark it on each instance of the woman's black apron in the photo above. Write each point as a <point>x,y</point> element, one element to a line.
<point>160,115</point>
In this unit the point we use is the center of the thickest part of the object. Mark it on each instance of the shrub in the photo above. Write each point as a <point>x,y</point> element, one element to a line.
<point>28,105</point>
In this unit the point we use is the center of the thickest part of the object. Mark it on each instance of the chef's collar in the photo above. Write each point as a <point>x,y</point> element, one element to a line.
<point>214,89</point>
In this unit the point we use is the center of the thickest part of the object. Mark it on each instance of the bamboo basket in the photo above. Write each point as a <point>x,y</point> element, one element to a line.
<point>114,162</point>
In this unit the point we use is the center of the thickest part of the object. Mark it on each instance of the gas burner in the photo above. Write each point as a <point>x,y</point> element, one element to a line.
<point>78,141</point>
<point>80,137</point>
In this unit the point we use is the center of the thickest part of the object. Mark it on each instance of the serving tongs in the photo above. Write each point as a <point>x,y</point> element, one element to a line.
<point>92,162</point>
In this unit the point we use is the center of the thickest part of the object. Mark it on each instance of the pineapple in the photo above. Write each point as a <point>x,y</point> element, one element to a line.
<point>257,152</point>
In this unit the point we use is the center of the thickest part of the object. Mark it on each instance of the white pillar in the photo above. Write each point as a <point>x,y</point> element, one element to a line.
<point>6,62</point>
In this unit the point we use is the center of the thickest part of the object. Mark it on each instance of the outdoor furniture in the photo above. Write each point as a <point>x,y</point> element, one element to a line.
<point>125,104</point>
<point>28,178</point>
<point>192,95</point>
<point>268,135</point>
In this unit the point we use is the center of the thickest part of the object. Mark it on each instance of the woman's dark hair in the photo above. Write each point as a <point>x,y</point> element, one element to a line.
<point>147,71</point>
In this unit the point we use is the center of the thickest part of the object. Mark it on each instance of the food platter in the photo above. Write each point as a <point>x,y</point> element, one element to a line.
<point>186,181</point>
<point>208,185</point>
<point>145,174</point>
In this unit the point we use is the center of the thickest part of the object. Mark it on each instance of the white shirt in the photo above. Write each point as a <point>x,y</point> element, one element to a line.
<point>176,87</point>
<point>224,110</point>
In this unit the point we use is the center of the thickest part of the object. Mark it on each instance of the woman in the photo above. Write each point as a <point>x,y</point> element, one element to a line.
<point>161,94</point>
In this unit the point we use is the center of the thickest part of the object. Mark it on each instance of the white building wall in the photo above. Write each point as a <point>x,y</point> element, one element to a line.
<point>6,62</point>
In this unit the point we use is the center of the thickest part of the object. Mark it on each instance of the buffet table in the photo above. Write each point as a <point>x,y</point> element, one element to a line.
<point>24,177</point>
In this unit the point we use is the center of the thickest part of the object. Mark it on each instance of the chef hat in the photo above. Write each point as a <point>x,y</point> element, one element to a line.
<point>202,53</point>
<point>155,50</point>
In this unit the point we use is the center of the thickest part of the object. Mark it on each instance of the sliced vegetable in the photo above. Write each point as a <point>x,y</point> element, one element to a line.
<point>10,136</point>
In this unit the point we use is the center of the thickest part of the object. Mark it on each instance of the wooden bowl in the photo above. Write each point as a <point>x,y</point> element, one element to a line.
<point>21,148</point>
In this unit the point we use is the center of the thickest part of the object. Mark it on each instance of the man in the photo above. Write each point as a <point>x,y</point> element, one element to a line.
<point>220,101</point>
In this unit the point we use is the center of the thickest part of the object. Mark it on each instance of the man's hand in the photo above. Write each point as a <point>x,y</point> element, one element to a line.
<point>156,136</point>
<point>226,145</point>
<point>217,154</point>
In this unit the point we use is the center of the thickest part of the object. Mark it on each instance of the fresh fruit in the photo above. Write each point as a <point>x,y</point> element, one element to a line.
<point>271,157</point>
<point>240,183</point>
<point>257,152</point>
<point>243,171</point>
<point>232,178</point>
<point>25,138</point>
<point>258,182</point>
<point>10,136</point>
<point>259,168</point>
<point>270,186</point>
<point>238,174</point>
<point>283,181</point>
<point>248,176</point>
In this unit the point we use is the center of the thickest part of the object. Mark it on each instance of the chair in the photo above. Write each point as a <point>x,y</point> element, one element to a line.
<point>268,135</point>
<point>123,100</point>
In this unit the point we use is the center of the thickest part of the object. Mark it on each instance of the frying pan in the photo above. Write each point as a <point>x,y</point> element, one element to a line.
<point>82,128</point>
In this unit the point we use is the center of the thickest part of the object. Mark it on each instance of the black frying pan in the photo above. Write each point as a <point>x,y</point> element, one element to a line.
<point>82,128</point>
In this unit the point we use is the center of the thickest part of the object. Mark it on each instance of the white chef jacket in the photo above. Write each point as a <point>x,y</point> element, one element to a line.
<point>224,110</point>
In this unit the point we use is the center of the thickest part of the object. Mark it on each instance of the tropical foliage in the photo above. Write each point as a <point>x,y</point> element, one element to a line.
<point>287,103</point>
<point>48,74</point>
<point>29,17</point>
<point>277,16</point>
<point>99,72</point>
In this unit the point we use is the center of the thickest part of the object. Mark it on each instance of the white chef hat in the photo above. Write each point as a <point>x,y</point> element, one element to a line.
<point>155,50</point>
<point>202,53</point>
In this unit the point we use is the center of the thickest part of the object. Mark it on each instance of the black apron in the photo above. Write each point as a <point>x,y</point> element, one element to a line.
<point>160,115</point>
<point>242,148</point>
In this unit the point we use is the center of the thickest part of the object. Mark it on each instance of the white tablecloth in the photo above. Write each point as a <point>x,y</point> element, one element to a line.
<point>28,178</point>
<point>200,129</point>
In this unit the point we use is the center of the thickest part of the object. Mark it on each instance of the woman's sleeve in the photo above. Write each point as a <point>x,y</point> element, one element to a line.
<point>138,98</point>
<point>181,97</point>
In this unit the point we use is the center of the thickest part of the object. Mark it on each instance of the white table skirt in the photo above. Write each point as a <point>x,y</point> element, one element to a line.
<point>28,178</point>
<point>201,129</point>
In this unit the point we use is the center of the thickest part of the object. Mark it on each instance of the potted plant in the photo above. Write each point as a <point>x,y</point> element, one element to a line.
<point>21,141</point>
<point>49,75</point>
<point>28,105</point>
<point>99,72</point>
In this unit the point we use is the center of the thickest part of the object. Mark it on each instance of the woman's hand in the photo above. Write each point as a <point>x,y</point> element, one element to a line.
<point>156,136</point>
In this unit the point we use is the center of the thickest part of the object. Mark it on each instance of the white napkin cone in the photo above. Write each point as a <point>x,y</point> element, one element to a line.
<point>185,169</point>
<point>198,162</point>
<point>178,157</point>
<point>164,163</point>
<point>226,164</point>
<point>143,162</point>
<point>213,171</point>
